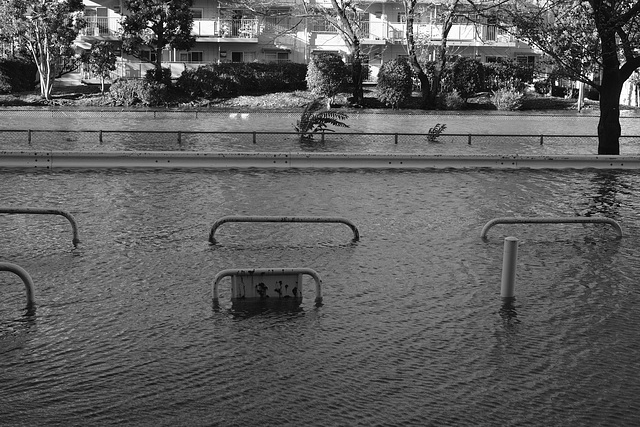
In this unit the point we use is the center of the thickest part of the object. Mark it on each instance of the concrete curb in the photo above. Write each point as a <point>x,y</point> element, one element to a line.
<point>57,160</point>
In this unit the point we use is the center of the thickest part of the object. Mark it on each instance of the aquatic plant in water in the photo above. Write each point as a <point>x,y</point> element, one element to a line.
<point>316,117</point>
<point>434,132</point>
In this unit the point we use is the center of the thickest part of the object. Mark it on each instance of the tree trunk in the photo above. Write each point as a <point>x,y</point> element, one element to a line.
<point>609,129</point>
<point>356,75</point>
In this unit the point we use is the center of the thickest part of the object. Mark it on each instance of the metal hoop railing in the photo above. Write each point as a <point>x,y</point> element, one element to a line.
<point>39,211</point>
<point>550,220</point>
<point>26,279</point>
<point>268,272</point>
<point>308,219</point>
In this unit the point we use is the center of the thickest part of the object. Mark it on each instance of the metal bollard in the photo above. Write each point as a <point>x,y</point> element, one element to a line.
<point>509,259</point>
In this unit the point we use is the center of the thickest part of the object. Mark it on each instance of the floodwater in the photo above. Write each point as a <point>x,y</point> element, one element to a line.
<point>492,132</point>
<point>488,122</point>
<point>411,331</point>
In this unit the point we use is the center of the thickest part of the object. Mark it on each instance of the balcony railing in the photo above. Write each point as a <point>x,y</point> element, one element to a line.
<point>395,32</point>
<point>226,28</point>
<point>102,26</point>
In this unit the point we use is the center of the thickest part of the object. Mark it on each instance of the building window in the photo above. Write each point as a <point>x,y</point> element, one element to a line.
<point>322,26</point>
<point>197,13</point>
<point>237,56</point>
<point>191,56</point>
<point>147,55</point>
<point>276,56</point>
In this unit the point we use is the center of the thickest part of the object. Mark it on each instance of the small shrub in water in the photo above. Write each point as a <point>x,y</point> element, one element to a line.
<point>315,119</point>
<point>435,132</point>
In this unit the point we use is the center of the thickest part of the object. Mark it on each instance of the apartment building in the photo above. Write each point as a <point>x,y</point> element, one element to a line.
<point>285,33</point>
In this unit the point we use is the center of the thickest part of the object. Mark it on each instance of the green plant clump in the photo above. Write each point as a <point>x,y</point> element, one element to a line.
<point>130,92</point>
<point>394,82</point>
<point>507,99</point>
<point>434,132</point>
<point>315,118</point>
<point>326,75</point>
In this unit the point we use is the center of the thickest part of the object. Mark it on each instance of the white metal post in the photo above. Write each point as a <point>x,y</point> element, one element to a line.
<point>509,260</point>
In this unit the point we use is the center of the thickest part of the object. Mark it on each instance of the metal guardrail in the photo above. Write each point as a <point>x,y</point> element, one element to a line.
<point>40,211</point>
<point>26,279</point>
<point>550,220</point>
<point>28,135</point>
<point>306,219</point>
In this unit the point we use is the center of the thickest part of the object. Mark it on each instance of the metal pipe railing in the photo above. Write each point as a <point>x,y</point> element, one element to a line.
<point>267,272</point>
<point>26,279</point>
<point>40,211</point>
<point>307,219</point>
<point>550,220</point>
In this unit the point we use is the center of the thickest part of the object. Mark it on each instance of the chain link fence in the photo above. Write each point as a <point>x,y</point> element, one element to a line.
<point>341,142</point>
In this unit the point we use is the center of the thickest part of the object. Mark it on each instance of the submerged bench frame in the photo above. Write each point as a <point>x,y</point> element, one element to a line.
<point>267,272</point>
<point>550,220</point>
<point>308,219</point>
<point>40,211</point>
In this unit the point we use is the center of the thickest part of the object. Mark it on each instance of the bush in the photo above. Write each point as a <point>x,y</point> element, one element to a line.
<point>326,75</point>
<point>467,77</point>
<point>165,79</point>
<point>17,75</point>
<point>394,82</point>
<point>452,101</point>
<point>507,99</point>
<point>232,79</point>
<point>508,75</point>
<point>130,92</point>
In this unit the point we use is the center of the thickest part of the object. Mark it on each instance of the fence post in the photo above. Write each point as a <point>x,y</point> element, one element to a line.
<point>469,139</point>
<point>254,137</point>
<point>29,136</point>
<point>396,138</point>
<point>509,259</point>
<point>100,136</point>
<point>179,138</point>
<point>541,139</point>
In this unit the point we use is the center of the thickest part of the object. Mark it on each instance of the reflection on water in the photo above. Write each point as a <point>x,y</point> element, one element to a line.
<point>412,330</point>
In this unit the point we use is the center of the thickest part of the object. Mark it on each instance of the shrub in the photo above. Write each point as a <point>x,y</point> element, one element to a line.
<point>231,79</point>
<point>452,101</point>
<point>467,76</point>
<point>434,132</point>
<point>17,75</point>
<point>394,82</point>
<point>315,118</point>
<point>507,99</point>
<point>5,84</point>
<point>207,82</point>
<point>508,74</point>
<point>165,78</point>
<point>326,75</point>
<point>130,92</point>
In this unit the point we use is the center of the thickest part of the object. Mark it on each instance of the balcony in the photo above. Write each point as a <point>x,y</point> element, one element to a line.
<point>102,27</point>
<point>213,30</point>
<point>395,32</point>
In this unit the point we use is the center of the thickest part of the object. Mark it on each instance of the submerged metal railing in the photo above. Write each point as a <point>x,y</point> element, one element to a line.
<point>40,211</point>
<point>26,279</point>
<point>260,272</point>
<point>550,220</point>
<point>180,137</point>
<point>308,219</point>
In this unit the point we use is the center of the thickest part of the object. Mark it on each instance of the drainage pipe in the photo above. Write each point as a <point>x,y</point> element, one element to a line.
<point>550,220</point>
<point>312,219</point>
<point>38,211</point>
<point>26,279</point>
<point>268,272</point>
